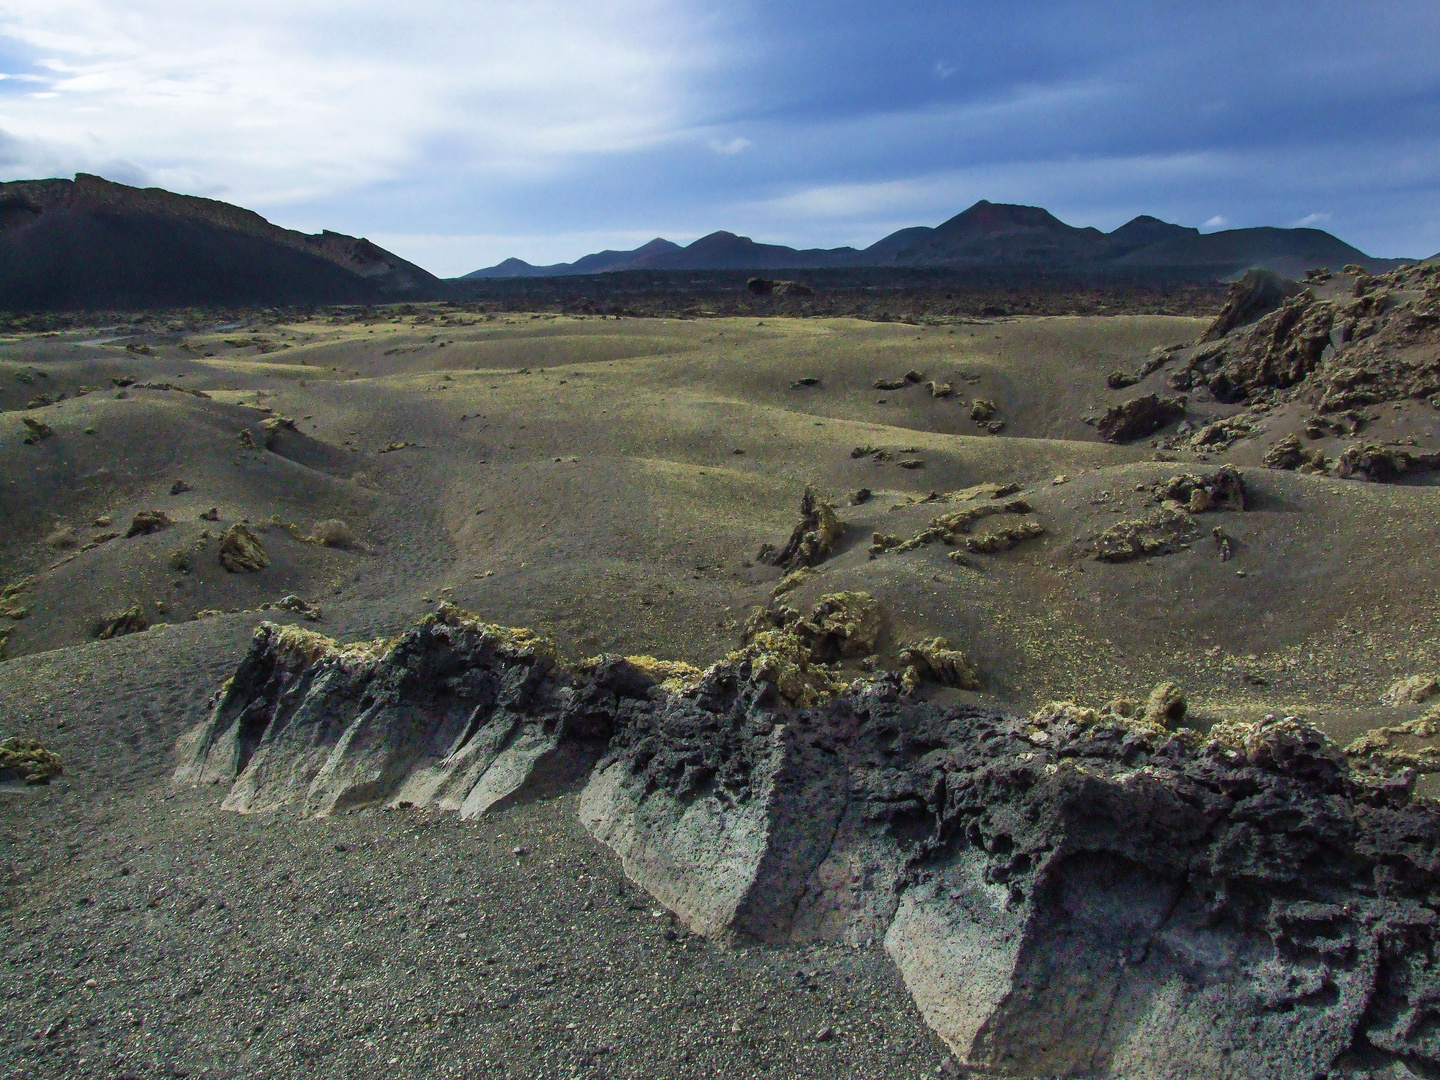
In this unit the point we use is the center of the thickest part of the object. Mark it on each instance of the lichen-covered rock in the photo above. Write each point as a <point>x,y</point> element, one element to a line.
<point>27,761</point>
<point>1160,532</point>
<point>1005,537</point>
<point>814,537</point>
<point>934,661</point>
<point>951,528</point>
<point>241,551</point>
<point>1382,464</point>
<point>148,521</point>
<point>790,652</point>
<point>1224,489</point>
<point>1138,417</point>
<point>1166,705</point>
<point>35,430</point>
<point>1413,690</point>
<point>1286,454</point>
<point>130,621</point>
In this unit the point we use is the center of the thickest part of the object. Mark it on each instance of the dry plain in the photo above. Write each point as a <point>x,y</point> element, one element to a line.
<point>608,483</point>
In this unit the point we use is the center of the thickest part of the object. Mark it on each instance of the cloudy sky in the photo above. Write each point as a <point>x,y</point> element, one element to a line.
<point>459,132</point>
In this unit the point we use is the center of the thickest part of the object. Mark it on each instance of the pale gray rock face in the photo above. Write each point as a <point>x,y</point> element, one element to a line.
<point>454,715</point>
<point>1062,898</point>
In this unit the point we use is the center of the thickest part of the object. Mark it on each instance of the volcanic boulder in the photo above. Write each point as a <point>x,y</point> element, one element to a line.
<point>1256,293</point>
<point>1138,417</point>
<point>241,551</point>
<point>814,537</point>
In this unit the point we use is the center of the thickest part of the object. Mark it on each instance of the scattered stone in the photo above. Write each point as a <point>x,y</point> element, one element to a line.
<point>1166,705</point>
<point>761,287</point>
<point>1004,538</point>
<point>246,439</point>
<point>35,430</point>
<point>241,551</point>
<point>1119,380</point>
<point>934,661</point>
<point>1224,543</point>
<point>103,521</point>
<point>889,384</point>
<point>148,521</point>
<point>808,380</point>
<point>995,427</point>
<point>390,448</point>
<point>130,621</point>
<point>1286,454</point>
<point>913,376</point>
<point>1412,691</point>
<point>1138,417</point>
<point>814,537</point>
<point>860,496</point>
<point>27,761</point>
<point>332,533</point>
<point>64,536</point>
<point>1256,293</point>
<point>1382,464</point>
<point>1219,434</point>
<point>1223,489</point>
<point>911,463</point>
<point>940,389</point>
<point>982,410</point>
<point>864,451</point>
<point>213,514</point>
<point>179,487</point>
<point>180,559</point>
<point>1160,532</point>
<point>883,542</point>
<point>294,604</point>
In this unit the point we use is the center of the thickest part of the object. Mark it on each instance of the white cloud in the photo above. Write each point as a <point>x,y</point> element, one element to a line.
<point>731,146</point>
<point>270,102</point>
<point>1216,222</point>
<point>1311,220</point>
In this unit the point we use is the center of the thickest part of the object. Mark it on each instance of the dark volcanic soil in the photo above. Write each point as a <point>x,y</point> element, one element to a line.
<point>608,482</point>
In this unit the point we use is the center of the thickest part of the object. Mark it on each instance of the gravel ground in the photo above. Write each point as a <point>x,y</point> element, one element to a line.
<point>149,934</point>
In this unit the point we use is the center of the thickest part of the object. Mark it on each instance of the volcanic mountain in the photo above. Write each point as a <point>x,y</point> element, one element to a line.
<point>91,243</point>
<point>992,235</point>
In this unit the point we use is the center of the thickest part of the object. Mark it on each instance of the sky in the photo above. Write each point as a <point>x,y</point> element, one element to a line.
<point>457,133</point>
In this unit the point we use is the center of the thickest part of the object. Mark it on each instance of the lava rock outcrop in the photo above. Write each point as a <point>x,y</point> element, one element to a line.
<point>1065,894</point>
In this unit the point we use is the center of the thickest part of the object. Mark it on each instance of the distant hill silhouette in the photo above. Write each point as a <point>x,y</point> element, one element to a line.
<point>92,244</point>
<point>992,235</point>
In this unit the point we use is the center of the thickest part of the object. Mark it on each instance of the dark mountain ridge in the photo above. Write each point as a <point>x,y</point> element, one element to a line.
<point>991,235</point>
<point>89,243</point>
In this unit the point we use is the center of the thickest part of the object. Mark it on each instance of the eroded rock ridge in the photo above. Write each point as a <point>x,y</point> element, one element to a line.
<point>1067,894</point>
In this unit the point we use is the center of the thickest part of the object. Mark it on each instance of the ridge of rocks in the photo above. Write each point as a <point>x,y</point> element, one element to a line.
<point>1071,893</point>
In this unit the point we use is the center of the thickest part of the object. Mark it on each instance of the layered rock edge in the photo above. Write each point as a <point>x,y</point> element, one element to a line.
<point>1064,895</point>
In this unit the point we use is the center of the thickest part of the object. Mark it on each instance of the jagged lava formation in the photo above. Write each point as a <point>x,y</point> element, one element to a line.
<point>1068,894</point>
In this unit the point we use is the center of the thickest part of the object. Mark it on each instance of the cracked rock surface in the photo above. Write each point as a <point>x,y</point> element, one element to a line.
<point>1064,895</point>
